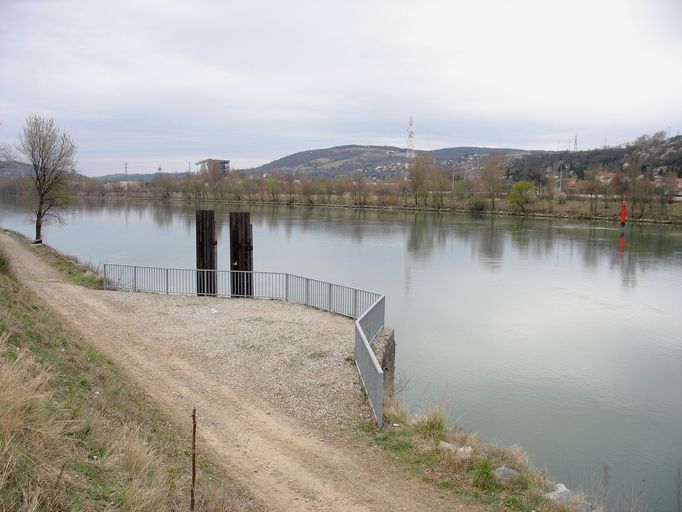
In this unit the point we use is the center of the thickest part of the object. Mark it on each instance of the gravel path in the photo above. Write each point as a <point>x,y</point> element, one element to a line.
<point>295,357</point>
<point>255,384</point>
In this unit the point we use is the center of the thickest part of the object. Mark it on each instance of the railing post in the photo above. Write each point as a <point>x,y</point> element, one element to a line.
<point>355,303</point>
<point>329,299</point>
<point>286,286</point>
<point>104,281</point>
<point>307,286</point>
<point>166,281</point>
<point>135,278</point>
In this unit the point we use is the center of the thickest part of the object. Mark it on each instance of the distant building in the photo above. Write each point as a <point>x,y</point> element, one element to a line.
<point>213,165</point>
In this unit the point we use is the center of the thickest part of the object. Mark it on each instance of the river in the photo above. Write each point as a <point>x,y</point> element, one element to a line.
<point>556,335</point>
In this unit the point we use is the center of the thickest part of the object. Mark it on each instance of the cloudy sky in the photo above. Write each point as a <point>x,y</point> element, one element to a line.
<point>165,82</point>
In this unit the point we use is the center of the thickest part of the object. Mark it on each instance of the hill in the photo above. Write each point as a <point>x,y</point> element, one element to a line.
<point>139,176</point>
<point>374,161</point>
<point>13,169</point>
<point>653,153</point>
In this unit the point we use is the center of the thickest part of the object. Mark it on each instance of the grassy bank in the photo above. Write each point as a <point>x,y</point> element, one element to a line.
<point>608,211</point>
<point>416,443</point>
<point>76,434</point>
<point>76,271</point>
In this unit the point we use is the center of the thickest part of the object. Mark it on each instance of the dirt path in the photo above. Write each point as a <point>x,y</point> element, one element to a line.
<point>284,462</point>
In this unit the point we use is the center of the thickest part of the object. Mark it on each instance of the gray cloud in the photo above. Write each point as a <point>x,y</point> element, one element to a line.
<point>162,82</point>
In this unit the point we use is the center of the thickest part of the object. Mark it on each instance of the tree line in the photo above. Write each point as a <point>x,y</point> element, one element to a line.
<point>500,183</point>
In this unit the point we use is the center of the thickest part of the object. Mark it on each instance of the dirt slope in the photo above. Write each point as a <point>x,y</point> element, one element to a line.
<point>282,461</point>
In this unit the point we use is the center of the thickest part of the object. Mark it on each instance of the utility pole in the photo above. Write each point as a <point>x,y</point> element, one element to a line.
<point>126,171</point>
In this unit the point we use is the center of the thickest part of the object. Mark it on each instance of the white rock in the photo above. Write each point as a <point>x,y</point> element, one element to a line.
<point>503,474</point>
<point>464,452</point>
<point>560,494</point>
<point>446,446</point>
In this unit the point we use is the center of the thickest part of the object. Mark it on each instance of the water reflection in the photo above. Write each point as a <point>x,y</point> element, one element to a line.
<point>641,249</point>
<point>529,330</point>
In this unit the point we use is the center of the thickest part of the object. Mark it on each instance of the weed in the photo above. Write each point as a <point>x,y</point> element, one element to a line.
<point>4,263</point>
<point>394,442</point>
<point>431,425</point>
<point>365,426</point>
<point>394,411</point>
<point>483,475</point>
<point>317,354</point>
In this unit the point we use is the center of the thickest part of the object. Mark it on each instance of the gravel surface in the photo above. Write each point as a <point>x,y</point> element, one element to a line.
<point>297,358</point>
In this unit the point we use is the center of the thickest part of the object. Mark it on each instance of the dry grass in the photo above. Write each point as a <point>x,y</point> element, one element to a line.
<point>76,434</point>
<point>415,444</point>
<point>394,411</point>
<point>431,424</point>
<point>29,432</point>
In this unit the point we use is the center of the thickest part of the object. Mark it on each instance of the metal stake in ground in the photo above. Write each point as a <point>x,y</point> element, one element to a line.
<point>207,253</point>
<point>241,254</point>
<point>194,452</point>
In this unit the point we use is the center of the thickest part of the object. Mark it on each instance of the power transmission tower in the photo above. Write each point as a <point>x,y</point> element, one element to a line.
<point>575,143</point>
<point>410,147</point>
<point>126,171</point>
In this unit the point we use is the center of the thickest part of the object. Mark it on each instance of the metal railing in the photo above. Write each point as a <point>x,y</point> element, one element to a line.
<point>367,308</point>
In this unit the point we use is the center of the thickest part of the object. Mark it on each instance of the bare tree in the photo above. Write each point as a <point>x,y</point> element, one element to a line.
<point>418,174</point>
<point>492,175</point>
<point>51,152</point>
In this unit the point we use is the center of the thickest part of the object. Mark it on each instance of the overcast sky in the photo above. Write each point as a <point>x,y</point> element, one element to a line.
<point>164,82</point>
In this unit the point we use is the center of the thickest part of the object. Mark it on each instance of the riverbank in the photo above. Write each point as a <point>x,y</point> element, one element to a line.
<point>77,434</point>
<point>422,447</point>
<point>608,211</point>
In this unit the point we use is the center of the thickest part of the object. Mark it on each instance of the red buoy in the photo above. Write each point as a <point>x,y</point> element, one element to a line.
<point>623,213</point>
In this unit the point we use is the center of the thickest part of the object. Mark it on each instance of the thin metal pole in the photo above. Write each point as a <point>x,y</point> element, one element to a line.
<point>135,279</point>
<point>194,453</point>
<point>166,281</point>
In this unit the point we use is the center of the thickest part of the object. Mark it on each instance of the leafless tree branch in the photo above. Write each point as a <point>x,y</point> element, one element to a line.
<point>51,152</point>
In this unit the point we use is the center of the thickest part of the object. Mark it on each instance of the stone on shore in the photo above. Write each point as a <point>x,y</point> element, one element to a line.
<point>503,474</point>
<point>559,494</point>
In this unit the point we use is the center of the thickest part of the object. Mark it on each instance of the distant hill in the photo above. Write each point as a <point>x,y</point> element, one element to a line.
<point>138,177</point>
<point>13,169</point>
<point>653,154</point>
<point>374,161</point>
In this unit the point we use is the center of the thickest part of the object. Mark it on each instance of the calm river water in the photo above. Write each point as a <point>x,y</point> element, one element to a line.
<point>554,335</point>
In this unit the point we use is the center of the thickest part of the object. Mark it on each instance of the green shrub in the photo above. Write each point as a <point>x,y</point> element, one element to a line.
<point>4,263</point>
<point>476,205</point>
<point>431,425</point>
<point>483,475</point>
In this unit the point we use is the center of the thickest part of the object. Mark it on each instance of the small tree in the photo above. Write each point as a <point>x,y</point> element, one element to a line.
<point>51,152</point>
<point>492,176</point>
<point>521,193</point>
<point>592,185</point>
<point>418,174</point>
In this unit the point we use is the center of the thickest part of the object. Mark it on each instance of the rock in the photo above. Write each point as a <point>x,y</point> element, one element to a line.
<point>503,474</point>
<point>560,494</point>
<point>464,452</point>
<point>446,446</point>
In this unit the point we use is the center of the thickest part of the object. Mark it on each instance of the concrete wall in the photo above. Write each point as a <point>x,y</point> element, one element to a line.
<point>384,348</point>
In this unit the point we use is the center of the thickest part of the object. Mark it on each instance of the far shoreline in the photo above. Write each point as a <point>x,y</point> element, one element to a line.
<point>451,210</point>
